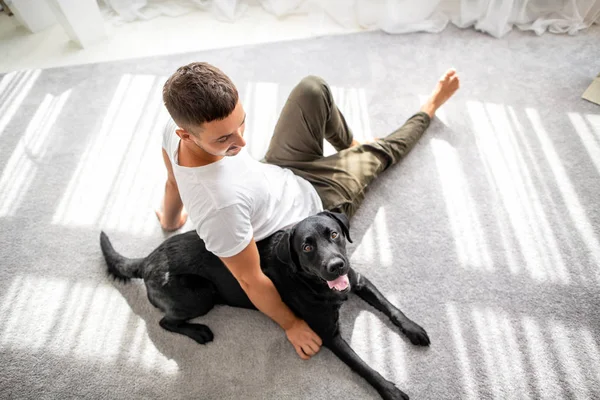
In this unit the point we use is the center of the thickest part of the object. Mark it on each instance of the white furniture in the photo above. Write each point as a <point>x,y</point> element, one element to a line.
<point>35,15</point>
<point>81,19</point>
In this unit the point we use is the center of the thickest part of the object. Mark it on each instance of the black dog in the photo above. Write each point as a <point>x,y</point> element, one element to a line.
<point>307,264</point>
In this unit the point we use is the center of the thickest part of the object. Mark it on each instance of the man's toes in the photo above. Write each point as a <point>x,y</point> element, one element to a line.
<point>455,82</point>
<point>448,75</point>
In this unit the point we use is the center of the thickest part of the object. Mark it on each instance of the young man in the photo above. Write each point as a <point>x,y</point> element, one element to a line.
<point>235,201</point>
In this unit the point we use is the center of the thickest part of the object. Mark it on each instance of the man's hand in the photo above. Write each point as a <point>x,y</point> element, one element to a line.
<point>306,342</point>
<point>170,226</point>
<point>245,266</point>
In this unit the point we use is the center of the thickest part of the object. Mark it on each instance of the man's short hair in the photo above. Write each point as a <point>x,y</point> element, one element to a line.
<point>197,93</point>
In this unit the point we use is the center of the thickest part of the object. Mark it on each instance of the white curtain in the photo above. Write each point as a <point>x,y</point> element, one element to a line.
<point>495,17</point>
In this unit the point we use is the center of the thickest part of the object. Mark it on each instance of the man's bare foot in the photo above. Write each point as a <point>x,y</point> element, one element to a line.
<point>171,226</point>
<point>446,87</point>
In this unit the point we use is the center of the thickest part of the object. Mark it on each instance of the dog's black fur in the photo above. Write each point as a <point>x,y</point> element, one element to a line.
<point>185,281</point>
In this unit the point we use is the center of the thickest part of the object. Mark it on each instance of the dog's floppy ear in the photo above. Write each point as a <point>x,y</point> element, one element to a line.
<point>283,249</point>
<point>343,220</point>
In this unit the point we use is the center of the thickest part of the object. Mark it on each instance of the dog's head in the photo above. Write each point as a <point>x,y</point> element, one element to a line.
<point>317,246</point>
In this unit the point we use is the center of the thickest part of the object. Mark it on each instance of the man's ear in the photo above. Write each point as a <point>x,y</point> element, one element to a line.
<point>342,220</point>
<point>283,249</point>
<point>185,134</point>
<point>182,133</point>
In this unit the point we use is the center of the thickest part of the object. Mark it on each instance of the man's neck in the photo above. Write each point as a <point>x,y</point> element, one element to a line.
<point>195,157</point>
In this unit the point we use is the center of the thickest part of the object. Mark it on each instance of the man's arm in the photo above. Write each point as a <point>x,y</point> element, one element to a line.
<point>245,266</point>
<point>171,216</point>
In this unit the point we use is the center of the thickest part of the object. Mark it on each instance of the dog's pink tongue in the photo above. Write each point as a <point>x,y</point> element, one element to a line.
<point>340,283</point>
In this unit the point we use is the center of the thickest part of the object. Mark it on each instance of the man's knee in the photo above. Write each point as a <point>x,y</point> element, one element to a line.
<point>312,90</point>
<point>313,83</point>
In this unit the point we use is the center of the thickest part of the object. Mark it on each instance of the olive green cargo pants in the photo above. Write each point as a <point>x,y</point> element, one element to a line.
<point>309,116</point>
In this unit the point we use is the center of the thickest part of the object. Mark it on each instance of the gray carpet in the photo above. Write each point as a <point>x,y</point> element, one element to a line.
<point>487,234</point>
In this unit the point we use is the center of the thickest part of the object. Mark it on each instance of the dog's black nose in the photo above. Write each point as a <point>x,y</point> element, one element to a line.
<point>335,266</point>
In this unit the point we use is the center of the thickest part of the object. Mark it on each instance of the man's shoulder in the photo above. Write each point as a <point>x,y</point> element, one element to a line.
<point>212,196</point>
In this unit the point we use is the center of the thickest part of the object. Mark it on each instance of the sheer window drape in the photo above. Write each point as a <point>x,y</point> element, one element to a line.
<point>495,17</point>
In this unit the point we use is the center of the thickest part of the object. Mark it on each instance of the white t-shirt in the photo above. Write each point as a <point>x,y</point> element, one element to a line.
<point>238,198</point>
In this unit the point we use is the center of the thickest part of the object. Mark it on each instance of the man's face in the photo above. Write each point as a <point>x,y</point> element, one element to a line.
<point>221,138</point>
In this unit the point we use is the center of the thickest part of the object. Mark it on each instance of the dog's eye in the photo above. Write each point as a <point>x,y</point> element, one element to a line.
<point>307,248</point>
<point>334,235</point>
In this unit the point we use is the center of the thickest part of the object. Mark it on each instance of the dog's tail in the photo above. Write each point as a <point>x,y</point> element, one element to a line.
<point>120,267</point>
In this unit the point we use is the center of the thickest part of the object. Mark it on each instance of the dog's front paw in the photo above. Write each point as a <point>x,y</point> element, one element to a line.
<point>391,392</point>
<point>200,333</point>
<point>415,334</point>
